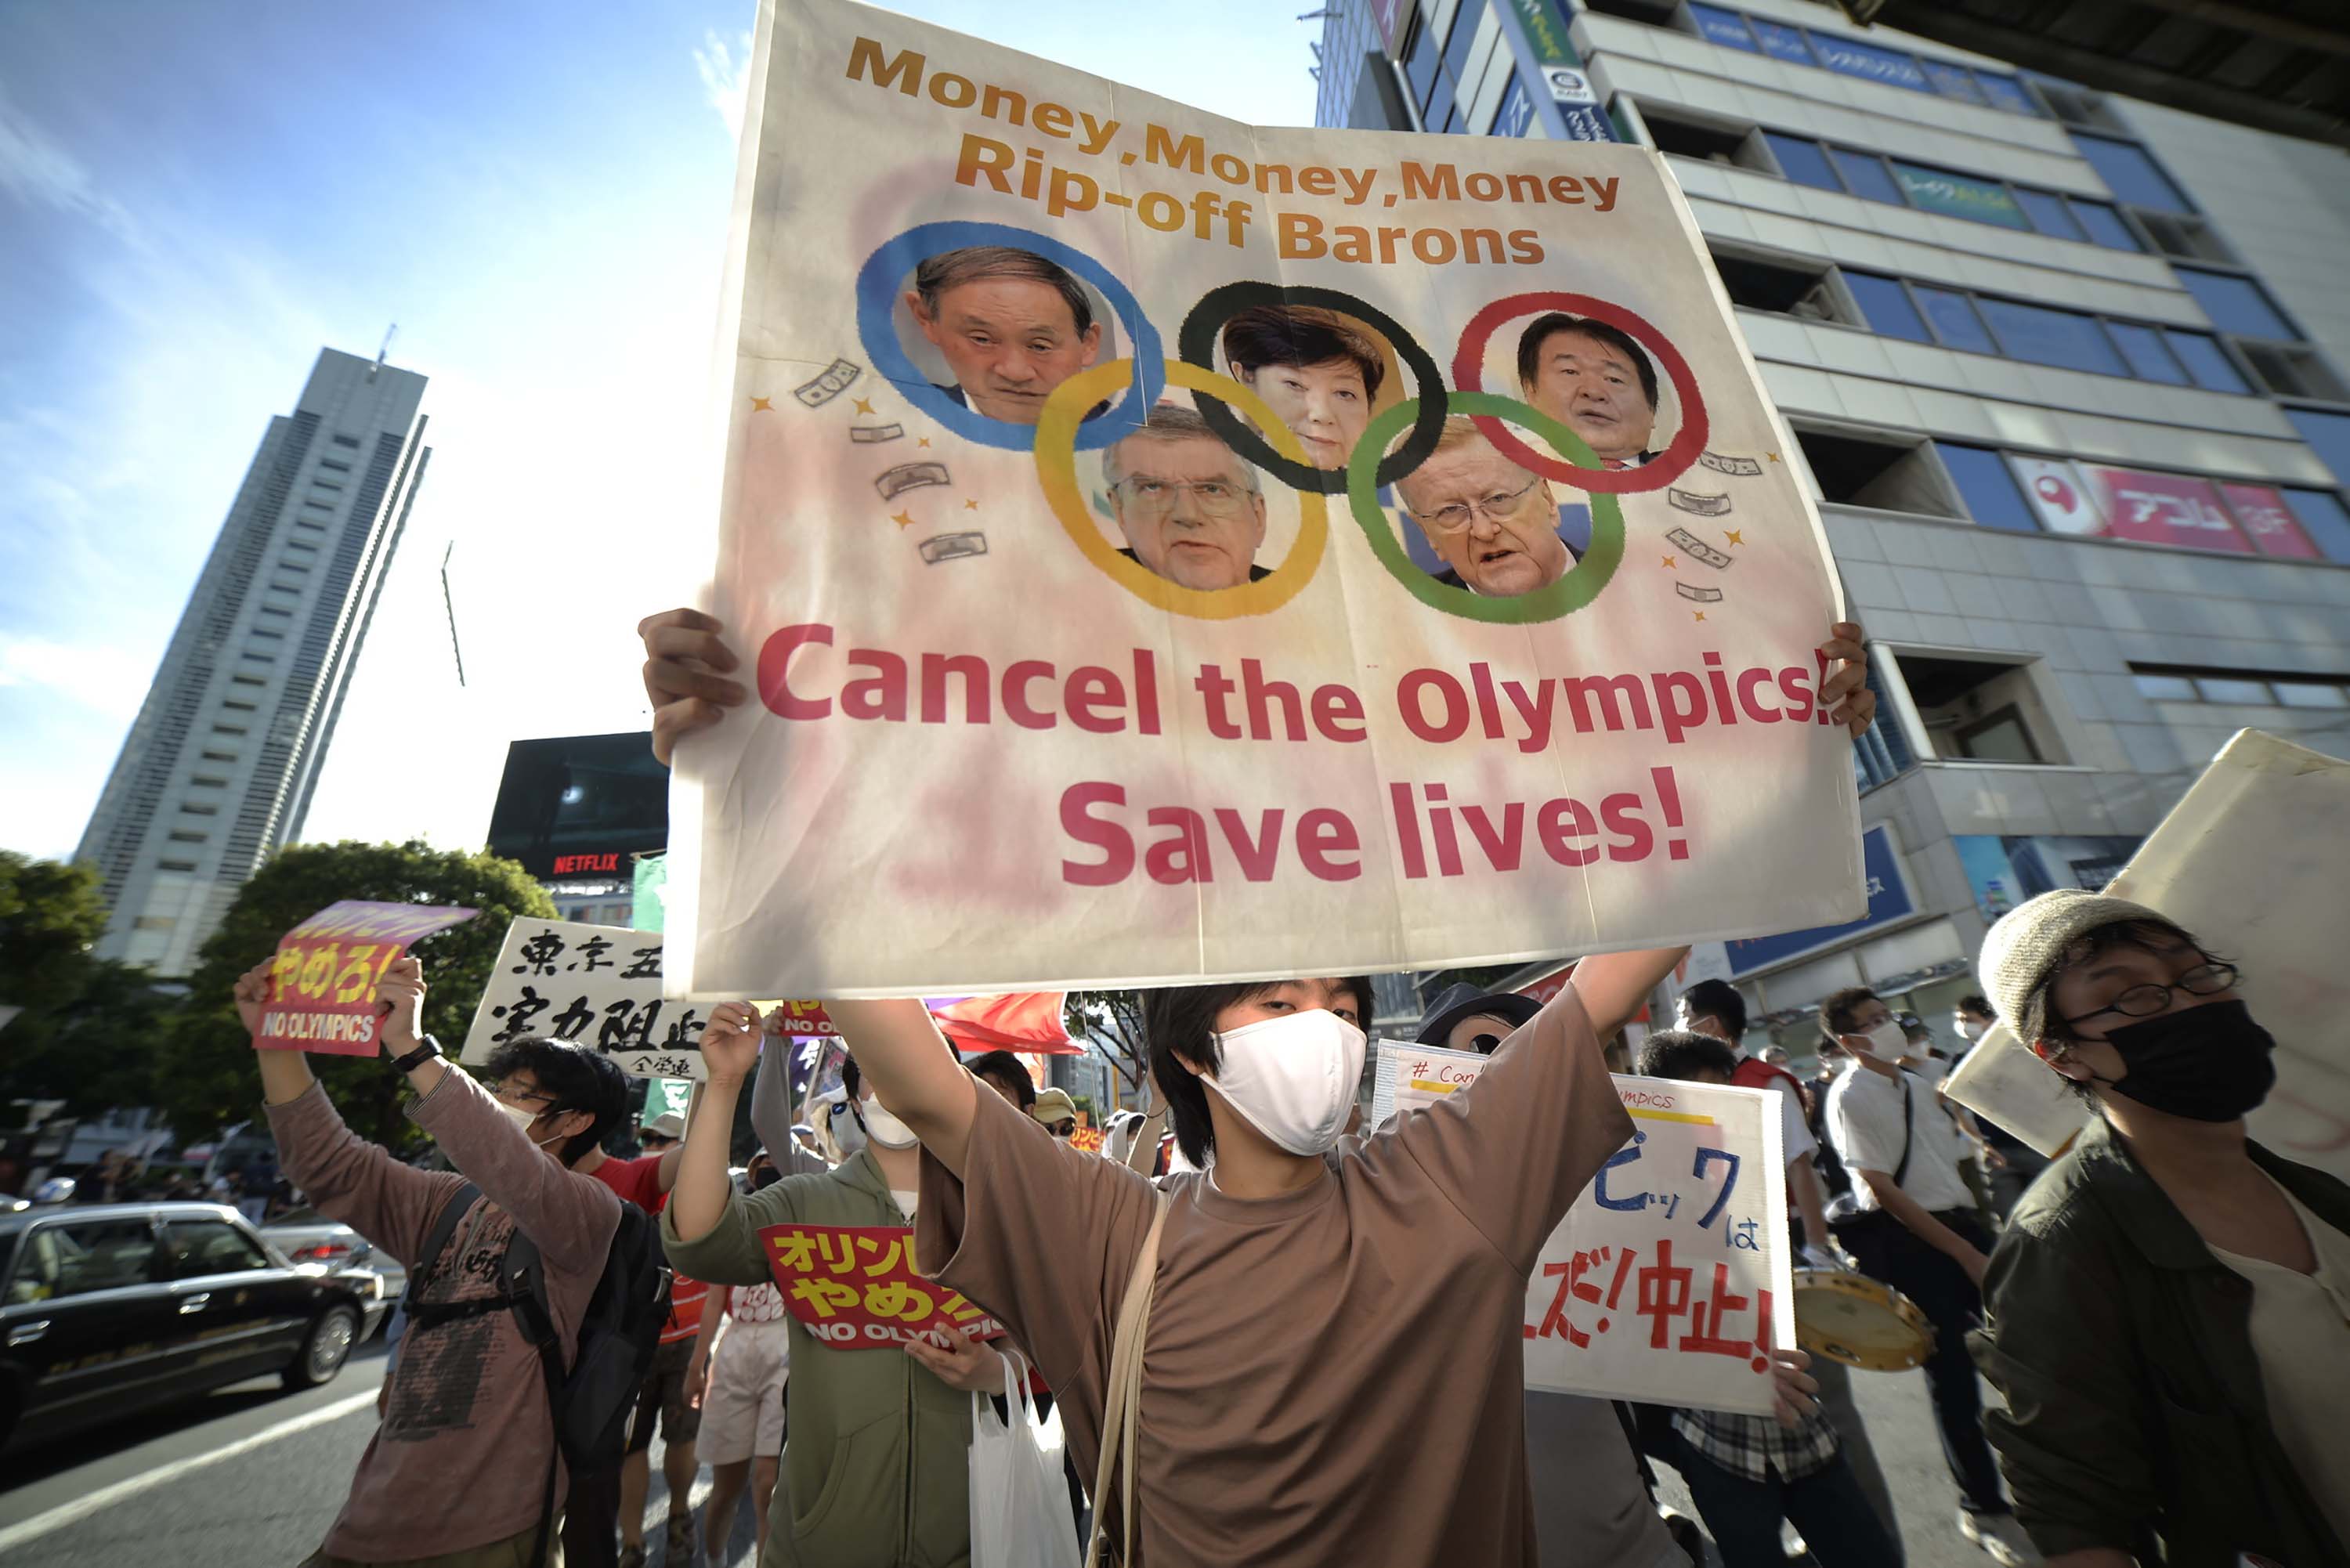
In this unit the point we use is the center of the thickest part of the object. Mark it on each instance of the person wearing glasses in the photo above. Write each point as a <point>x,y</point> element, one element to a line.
<point>1912,1224</point>
<point>2169,1306</point>
<point>1192,511</point>
<point>1495,525</point>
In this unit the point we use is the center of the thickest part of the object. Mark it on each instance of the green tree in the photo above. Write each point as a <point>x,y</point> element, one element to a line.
<point>1112,1021</point>
<point>89,1026</point>
<point>210,1079</point>
<point>50,915</point>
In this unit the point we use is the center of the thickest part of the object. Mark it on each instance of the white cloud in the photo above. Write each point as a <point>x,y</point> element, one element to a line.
<point>726,70</point>
<point>36,169</point>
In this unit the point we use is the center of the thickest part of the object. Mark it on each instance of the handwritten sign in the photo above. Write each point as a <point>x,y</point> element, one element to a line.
<point>1270,702</point>
<point>1668,1279</point>
<point>599,986</point>
<point>322,981</point>
<point>855,1287</point>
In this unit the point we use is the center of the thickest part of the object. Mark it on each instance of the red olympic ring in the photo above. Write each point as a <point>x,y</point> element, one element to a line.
<point>1469,370</point>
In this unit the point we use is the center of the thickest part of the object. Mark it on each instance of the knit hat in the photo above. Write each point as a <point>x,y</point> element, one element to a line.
<point>2030,939</point>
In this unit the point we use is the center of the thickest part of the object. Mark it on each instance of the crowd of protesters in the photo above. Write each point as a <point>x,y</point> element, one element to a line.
<point>1227,1309</point>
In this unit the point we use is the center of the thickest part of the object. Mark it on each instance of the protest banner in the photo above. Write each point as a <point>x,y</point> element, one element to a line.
<point>1668,1278</point>
<point>1243,612</point>
<point>322,981</point>
<point>2252,860</point>
<point>599,986</point>
<point>855,1288</point>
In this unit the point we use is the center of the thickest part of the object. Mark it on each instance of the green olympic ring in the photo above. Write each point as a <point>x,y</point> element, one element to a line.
<point>1578,589</point>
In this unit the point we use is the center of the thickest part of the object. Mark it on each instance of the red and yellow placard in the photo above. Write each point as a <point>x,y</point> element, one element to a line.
<point>322,982</point>
<point>855,1287</point>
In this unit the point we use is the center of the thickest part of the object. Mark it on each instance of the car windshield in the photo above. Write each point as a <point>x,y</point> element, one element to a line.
<point>301,1217</point>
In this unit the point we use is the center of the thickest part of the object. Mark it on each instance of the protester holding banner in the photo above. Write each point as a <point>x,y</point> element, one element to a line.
<point>2170,1303</point>
<point>1714,1008</point>
<point>1592,1500</point>
<point>1748,1474</point>
<point>460,1472</point>
<point>876,1470</point>
<point>1915,1228</point>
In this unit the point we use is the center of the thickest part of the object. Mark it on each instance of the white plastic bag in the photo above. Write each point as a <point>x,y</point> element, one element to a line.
<point>1019,1504</point>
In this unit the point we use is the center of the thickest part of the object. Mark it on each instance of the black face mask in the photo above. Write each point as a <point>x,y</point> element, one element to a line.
<point>2207,1064</point>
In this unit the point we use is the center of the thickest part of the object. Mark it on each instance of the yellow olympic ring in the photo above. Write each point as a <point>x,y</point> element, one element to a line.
<point>1056,470</point>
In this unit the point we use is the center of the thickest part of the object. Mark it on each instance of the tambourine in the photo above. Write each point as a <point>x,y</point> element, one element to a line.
<point>1860,1322</point>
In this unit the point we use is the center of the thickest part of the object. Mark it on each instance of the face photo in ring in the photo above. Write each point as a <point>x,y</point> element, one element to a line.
<point>1191,510</point>
<point>1319,372</point>
<point>1493,524</point>
<point>1006,326</point>
<point>1592,378</point>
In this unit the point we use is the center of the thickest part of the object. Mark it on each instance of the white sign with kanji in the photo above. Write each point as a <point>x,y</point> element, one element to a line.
<point>599,986</point>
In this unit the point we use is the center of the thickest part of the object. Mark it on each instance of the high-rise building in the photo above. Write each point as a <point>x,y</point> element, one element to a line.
<point>2063,369</point>
<point>219,766</point>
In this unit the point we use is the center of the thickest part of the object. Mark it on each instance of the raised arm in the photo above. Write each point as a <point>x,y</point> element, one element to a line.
<point>1616,986</point>
<point>899,1051</point>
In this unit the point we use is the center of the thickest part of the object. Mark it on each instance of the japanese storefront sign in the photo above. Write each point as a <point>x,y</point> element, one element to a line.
<point>2269,521</point>
<point>2165,509</point>
<point>1937,191</point>
<point>599,986</point>
<point>855,1287</point>
<point>2060,494</point>
<point>1235,730</point>
<point>1666,1280</point>
<point>322,981</point>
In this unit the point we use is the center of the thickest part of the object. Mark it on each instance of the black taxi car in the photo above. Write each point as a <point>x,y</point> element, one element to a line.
<point>112,1308</point>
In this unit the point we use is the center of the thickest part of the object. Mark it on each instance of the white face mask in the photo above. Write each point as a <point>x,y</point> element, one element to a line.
<point>882,1127</point>
<point>1971,1029</point>
<point>1886,1042</point>
<point>526,1120</point>
<point>1293,1077</point>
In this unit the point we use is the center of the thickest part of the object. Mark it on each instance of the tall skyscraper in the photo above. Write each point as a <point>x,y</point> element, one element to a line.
<point>219,766</point>
<point>2068,373</point>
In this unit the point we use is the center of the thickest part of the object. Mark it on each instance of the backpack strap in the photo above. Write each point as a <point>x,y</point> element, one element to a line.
<point>1122,1396</point>
<point>1902,1169</point>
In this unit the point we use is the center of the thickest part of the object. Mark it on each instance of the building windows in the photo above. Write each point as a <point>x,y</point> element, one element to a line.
<point>1981,710</point>
<point>333,466</point>
<point>216,757</point>
<point>327,484</point>
<point>1783,285</point>
<point>351,441</point>
<point>185,836</point>
<point>1782,42</point>
<point>1728,28</point>
<point>1952,316</point>
<point>1803,162</point>
<point>2323,518</point>
<point>1988,487</point>
<point>191,808</point>
<point>2150,359</point>
<point>1884,305</point>
<point>1885,475</point>
<point>2130,174</point>
<point>1863,175</point>
<point>1880,753</point>
<point>2184,236</point>
<point>2049,214</point>
<point>2054,337</point>
<point>248,681</point>
<point>2290,371</point>
<point>2205,362</point>
<point>182,866</point>
<point>1834,51</point>
<point>2310,694</point>
<point>2105,226</point>
<point>1869,175</point>
<point>1686,136</point>
<point>2235,304</point>
<point>2166,688</point>
<point>232,705</point>
<point>1960,196</point>
<point>2328,436</point>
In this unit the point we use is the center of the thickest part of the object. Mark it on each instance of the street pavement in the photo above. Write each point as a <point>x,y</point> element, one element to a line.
<point>250,1478</point>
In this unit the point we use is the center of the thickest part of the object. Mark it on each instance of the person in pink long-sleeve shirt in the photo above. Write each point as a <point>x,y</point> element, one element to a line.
<point>455,1476</point>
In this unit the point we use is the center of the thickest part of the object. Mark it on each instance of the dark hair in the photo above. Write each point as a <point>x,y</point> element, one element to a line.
<point>1003,1066</point>
<point>2147,936</point>
<point>1718,998</point>
<point>1684,1054</point>
<point>1836,1011</point>
<point>976,264</point>
<point>1300,336</point>
<point>1544,328</point>
<point>1182,1018</point>
<point>579,1078</point>
<point>1976,1002</point>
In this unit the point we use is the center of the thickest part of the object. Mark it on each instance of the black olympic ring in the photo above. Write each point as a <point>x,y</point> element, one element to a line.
<point>1197,344</point>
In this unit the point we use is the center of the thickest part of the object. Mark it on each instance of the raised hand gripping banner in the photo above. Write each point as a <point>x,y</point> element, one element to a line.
<point>1162,547</point>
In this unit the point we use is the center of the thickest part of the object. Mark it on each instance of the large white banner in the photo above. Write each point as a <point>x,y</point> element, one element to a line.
<point>1670,1279</point>
<point>1163,547</point>
<point>599,986</point>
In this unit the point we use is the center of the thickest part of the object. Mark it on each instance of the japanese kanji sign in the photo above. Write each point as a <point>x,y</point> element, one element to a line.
<point>592,985</point>
<point>1666,1281</point>
<point>322,982</point>
<point>855,1287</point>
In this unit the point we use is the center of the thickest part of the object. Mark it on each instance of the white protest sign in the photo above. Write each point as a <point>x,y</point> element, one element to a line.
<point>1669,1279</point>
<point>599,986</point>
<point>1089,656</point>
<point>2002,1081</point>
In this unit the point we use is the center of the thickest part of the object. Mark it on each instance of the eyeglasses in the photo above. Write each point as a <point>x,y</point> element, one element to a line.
<point>514,1095</point>
<point>2146,1001</point>
<point>1155,498</point>
<point>1457,517</point>
<point>654,1140</point>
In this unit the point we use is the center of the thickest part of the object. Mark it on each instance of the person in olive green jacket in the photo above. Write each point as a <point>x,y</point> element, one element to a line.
<point>876,1466</point>
<point>2169,1308</point>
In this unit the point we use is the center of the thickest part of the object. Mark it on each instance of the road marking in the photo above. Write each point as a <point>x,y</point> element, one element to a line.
<point>57,1518</point>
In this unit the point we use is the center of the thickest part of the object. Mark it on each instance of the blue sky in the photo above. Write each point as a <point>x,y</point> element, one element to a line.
<point>195,198</point>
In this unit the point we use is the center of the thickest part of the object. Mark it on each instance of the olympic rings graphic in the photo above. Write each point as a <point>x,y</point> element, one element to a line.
<point>1056,437</point>
<point>877,302</point>
<point>1578,589</point>
<point>1197,343</point>
<point>1469,370</point>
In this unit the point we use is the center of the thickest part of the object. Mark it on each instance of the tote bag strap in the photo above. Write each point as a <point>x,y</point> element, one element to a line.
<point>1123,1395</point>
